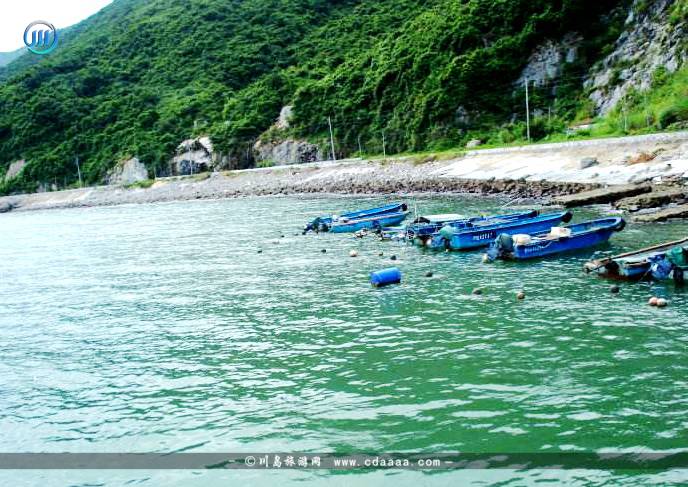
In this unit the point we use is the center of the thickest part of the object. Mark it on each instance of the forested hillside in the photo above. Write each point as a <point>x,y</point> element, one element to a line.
<point>140,76</point>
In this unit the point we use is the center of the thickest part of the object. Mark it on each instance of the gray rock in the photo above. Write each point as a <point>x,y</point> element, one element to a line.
<point>193,156</point>
<point>650,40</point>
<point>127,172</point>
<point>15,168</point>
<point>548,60</point>
<point>289,151</point>
<point>285,115</point>
<point>587,162</point>
<point>472,144</point>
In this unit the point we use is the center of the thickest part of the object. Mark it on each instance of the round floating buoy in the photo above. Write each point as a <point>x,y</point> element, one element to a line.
<point>486,259</point>
<point>653,301</point>
<point>281,236</point>
<point>520,295</point>
<point>381,254</point>
<point>428,274</point>
<point>324,251</point>
<point>385,277</point>
<point>260,251</point>
<point>662,303</point>
<point>394,257</point>
<point>615,289</point>
<point>477,292</point>
<point>353,253</point>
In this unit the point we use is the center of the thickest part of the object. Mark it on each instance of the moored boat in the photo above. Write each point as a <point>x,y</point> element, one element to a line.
<point>370,218</point>
<point>556,241</point>
<point>479,234</point>
<point>666,261</point>
<point>424,227</point>
<point>374,222</point>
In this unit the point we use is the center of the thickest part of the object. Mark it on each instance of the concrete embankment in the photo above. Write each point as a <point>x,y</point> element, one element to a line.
<point>542,172</point>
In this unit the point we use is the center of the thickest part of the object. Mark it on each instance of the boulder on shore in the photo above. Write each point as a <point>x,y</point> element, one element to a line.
<point>472,144</point>
<point>664,215</point>
<point>654,199</point>
<point>127,172</point>
<point>587,162</point>
<point>602,195</point>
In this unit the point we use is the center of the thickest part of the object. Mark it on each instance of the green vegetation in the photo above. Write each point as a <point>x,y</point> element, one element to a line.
<point>663,107</point>
<point>146,183</point>
<point>425,75</point>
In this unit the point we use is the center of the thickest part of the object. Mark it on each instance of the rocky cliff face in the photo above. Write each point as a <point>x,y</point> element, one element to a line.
<point>548,60</point>
<point>127,172</point>
<point>278,148</point>
<point>15,168</point>
<point>288,151</point>
<point>193,156</point>
<point>651,40</point>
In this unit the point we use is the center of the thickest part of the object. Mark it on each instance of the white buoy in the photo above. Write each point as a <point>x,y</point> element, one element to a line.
<point>353,253</point>
<point>653,301</point>
<point>662,303</point>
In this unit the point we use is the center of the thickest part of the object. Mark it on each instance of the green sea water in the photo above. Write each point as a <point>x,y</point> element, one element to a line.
<point>162,328</point>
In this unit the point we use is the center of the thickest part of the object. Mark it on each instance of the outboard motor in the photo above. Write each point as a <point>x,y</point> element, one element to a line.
<point>503,245</point>
<point>661,268</point>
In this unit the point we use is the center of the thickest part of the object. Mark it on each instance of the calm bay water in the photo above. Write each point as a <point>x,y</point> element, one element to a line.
<point>161,328</point>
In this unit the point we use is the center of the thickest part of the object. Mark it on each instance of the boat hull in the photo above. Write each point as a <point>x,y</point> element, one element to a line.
<point>637,265</point>
<point>325,223</point>
<point>545,248</point>
<point>372,223</point>
<point>420,233</point>
<point>582,236</point>
<point>479,237</point>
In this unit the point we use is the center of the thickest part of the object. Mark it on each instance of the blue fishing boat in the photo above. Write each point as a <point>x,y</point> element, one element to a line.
<point>667,261</point>
<point>424,227</point>
<point>558,240</point>
<point>473,235</point>
<point>374,222</point>
<point>367,219</point>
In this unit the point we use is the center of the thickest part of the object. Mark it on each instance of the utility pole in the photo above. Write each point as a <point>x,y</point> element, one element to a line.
<point>360,148</point>
<point>527,112</point>
<point>329,122</point>
<point>647,113</point>
<point>78,170</point>
<point>623,108</point>
<point>384,148</point>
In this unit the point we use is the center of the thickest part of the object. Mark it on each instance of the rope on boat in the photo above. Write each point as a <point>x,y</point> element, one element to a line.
<point>509,203</point>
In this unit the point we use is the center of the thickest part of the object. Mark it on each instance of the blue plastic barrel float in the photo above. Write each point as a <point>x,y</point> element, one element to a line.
<point>385,277</point>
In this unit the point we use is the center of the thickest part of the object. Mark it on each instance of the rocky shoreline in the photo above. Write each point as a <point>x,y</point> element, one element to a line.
<point>640,175</point>
<point>348,177</point>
